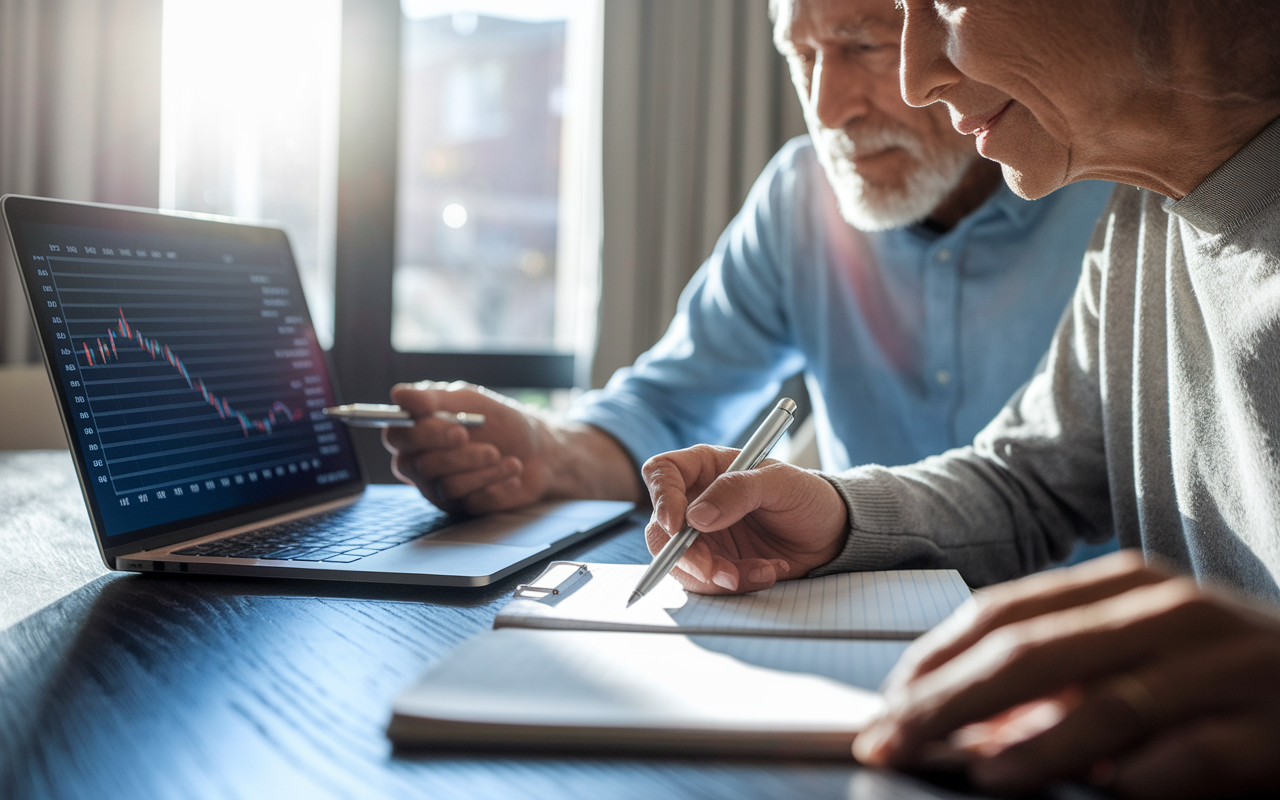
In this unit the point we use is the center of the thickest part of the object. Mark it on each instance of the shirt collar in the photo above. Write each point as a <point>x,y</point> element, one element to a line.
<point>1244,185</point>
<point>1003,201</point>
<point>1021,213</point>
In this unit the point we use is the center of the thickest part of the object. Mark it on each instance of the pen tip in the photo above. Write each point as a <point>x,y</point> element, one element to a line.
<point>634,597</point>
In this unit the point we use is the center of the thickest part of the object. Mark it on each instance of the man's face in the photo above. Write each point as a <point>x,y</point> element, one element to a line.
<point>889,164</point>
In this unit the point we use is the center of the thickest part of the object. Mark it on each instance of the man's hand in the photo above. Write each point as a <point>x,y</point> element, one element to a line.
<point>517,457</point>
<point>759,526</point>
<point>490,468</point>
<point>1112,672</point>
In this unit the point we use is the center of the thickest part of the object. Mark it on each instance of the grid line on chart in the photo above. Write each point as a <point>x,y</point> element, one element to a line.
<point>247,269</point>
<point>261,465</point>
<point>152,292</point>
<point>170,306</point>
<point>191,449</point>
<point>242,454</point>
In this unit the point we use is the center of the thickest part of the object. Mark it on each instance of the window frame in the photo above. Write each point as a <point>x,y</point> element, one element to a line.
<point>365,364</point>
<point>368,133</point>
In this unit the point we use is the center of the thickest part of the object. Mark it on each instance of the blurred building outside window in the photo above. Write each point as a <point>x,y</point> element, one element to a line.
<point>498,192</point>
<point>249,123</point>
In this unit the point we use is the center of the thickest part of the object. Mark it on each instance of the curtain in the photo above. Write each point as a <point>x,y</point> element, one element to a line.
<point>696,101</point>
<point>79,117</point>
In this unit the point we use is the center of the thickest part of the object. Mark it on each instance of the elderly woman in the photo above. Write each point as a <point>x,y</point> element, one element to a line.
<point>1156,414</point>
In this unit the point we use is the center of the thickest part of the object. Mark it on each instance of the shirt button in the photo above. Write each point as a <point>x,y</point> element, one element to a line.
<point>944,254</point>
<point>943,377</point>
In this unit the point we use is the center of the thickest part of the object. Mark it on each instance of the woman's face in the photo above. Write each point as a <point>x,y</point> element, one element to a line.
<point>1044,85</point>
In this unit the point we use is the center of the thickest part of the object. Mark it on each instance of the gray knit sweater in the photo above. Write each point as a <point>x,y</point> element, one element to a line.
<point>1155,414</point>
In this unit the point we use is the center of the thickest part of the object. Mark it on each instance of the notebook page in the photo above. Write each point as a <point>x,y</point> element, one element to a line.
<point>898,604</point>
<point>548,679</point>
<point>864,663</point>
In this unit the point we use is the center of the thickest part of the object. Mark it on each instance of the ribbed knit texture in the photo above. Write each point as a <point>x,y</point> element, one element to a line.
<point>1156,413</point>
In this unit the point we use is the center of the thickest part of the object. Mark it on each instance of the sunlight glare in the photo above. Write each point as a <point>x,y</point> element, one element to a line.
<point>249,122</point>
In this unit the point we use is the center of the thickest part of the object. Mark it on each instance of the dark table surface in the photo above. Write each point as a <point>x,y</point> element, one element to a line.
<point>132,686</point>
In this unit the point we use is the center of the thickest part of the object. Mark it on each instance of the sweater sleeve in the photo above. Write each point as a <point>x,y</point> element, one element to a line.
<point>1032,483</point>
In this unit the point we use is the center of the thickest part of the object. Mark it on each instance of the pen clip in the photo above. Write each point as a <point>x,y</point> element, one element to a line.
<point>560,577</point>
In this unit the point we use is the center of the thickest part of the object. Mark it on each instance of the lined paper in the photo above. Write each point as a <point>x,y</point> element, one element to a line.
<point>896,604</point>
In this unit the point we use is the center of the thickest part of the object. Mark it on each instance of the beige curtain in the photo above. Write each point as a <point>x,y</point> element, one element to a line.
<point>79,117</point>
<point>696,100</point>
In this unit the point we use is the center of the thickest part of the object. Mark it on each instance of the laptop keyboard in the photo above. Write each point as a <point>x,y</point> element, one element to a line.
<point>340,536</point>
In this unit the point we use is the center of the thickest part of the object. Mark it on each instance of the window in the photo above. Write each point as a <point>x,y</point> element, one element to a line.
<point>249,123</point>
<point>436,164</point>
<point>495,177</point>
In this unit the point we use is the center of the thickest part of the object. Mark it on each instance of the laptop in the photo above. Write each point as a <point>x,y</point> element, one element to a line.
<point>191,386</point>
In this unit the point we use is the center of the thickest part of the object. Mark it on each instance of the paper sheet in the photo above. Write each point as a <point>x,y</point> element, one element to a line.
<point>535,683</point>
<point>864,663</point>
<point>898,604</point>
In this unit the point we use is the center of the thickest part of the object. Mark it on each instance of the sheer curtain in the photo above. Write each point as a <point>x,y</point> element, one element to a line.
<point>79,117</point>
<point>696,100</point>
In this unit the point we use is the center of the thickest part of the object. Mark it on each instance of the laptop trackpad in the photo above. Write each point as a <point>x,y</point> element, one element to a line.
<point>481,546</point>
<point>434,557</point>
<point>487,545</point>
<point>521,530</point>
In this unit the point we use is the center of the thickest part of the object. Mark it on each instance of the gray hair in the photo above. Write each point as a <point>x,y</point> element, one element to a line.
<point>1239,40</point>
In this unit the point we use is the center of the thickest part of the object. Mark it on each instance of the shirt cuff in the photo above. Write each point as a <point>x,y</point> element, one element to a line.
<point>628,420</point>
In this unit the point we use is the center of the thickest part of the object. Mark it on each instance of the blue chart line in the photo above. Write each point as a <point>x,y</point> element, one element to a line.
<point>159,351</point>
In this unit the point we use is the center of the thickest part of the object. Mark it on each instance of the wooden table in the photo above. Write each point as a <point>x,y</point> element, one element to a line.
<point>130,686</point>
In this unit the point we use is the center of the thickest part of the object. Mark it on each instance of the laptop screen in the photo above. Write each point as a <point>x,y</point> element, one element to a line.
<point>189,372</point>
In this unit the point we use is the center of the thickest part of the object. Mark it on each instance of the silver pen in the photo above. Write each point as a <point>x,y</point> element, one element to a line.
<point>379,415</point>
<point>755,451</point>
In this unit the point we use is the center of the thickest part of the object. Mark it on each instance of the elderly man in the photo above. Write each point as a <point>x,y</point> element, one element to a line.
<point>879,255</point>
<point>1156,413</point>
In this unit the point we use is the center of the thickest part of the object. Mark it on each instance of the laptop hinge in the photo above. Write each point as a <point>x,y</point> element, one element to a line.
<point>243,523</point>
<point>143,555</point>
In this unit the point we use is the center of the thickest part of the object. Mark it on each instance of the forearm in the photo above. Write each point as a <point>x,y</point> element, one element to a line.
<point>1014,502</point>
<point>956,511</point>
<point>585,463</point>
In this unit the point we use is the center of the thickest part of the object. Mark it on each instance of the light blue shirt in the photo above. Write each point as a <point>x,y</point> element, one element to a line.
<point>910,340</point>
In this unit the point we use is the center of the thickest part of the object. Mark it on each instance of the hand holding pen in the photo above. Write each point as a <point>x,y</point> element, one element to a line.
<point>471,450</point>
<point>757,526</point>
<point>466,469</point>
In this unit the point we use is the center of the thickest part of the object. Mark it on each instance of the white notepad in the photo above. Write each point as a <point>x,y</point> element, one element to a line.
<point>552,690</point>
<point>863,663</point>
<point>900,604</point>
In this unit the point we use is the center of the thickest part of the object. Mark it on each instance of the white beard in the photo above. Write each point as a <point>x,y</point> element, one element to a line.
<point>872,207</point>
